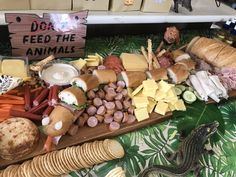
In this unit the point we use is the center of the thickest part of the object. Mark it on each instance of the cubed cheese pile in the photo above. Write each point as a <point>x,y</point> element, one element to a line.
<point>91,60</point>
<point>158,97</point>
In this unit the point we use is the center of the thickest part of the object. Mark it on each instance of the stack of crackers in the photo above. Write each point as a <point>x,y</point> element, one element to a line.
<point>64,161</point>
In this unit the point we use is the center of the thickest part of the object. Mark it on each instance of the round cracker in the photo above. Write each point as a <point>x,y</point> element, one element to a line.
<point>115,149</point>
<point>62,159</point>
<point>95,153</point>
<point>34,167</point>
<point>71,158</point>
<point>80,158</point>
<point>105,146</point>
<point>76,159</point>
<point>89,153</point>
<point>85,155</point>
<point>103,152</point>
<point>51,163</point>
<point>68,159</point>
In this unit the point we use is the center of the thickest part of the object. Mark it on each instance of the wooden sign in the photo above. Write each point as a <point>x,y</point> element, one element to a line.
<point>61,35</point>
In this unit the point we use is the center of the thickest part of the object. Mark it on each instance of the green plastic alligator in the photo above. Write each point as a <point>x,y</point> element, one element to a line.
<point>188,154</point>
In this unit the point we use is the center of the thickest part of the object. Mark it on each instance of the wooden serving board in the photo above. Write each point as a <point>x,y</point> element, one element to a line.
<point>86,134</point>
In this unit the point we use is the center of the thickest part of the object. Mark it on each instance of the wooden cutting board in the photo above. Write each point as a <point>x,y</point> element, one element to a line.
<point>86,134</point>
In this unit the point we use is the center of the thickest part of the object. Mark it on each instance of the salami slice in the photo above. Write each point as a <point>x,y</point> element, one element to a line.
<point>114,126</point>
<point>92,121</point>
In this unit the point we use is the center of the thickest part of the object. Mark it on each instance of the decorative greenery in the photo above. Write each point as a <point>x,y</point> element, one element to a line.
<point>196,114</point>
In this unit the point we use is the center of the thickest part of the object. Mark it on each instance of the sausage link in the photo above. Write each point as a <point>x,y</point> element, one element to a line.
<point>101,110</point>
<point>131,119</point>
<point>92,121</point>
<point>119,96</point>
<point>110,105</point>
<point>119,105</point>
<point>125,118</point>
<point>73,130</point>
<point>126,104</point>
<point>114,126</point>
<point>97,102</point>
<point>118,116</point>
<point>91,110</point>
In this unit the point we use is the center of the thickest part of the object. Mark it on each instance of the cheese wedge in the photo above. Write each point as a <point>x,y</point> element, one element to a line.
<point>161,108</point>
<point>134,62</point>
<point>141,114</point>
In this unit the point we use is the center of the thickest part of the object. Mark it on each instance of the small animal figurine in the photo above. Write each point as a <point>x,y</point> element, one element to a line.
<point>187,156</point>
<point>185,3</point>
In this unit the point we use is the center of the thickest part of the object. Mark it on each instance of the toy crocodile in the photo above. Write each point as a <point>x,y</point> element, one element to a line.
<point>188,154</point>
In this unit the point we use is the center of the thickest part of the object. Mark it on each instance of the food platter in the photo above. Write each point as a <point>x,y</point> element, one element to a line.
<point>100,132</point>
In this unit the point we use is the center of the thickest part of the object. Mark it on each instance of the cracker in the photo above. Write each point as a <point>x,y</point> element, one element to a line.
<point>96,153</point>
<point>91,153</point>
<point>74,158</point>
<point>35,168</point>
<point>85,154</point>
<point>68,157</point>
<point>29,171</point>
<point>103,152</point>
<point>115,149</point>
<point>61,158</point>
<point>51,162</point>
<point>77,159</point>
<point>81,159</point>
<point>105,145</point>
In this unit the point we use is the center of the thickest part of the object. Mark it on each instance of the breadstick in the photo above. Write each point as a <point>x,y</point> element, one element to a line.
<point>150,67</point>
<point>37,66</point>
<point>144,53</point>
<point>155,61</point>
<point>159,47</point>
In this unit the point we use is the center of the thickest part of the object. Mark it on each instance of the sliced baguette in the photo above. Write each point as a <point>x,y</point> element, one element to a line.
<point>133,78</point>
<point>178,73</point>
<point>86,82</point>
<point>157,74</point>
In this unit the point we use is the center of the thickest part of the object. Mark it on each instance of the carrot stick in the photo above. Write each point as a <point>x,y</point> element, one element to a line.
<point>12,101</point>
<point>48,144</point>
<point>12,97</point>
<point>12,92</point>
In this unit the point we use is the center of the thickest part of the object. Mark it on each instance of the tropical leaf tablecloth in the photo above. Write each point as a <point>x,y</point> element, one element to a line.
<point>149,145</point>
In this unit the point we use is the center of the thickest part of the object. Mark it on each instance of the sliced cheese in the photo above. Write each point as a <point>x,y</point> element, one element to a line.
<point>130,91</point>
<point>151,105</point>
<point>141,114</point>
<point>161,108</point>
<point>133,62</point>
<point>160,95</point>
<point>164,86</point>
<point>150,84</point>
<point>14,67</point>
<point>179,105</point>
<point>137,90</point>
<point>93,63</point>
<point>140,102</point>
<point>79,64</point>
<point>149,93</point>
<point>171,107</point>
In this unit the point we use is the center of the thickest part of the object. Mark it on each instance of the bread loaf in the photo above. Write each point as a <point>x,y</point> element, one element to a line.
<point>214,52</point>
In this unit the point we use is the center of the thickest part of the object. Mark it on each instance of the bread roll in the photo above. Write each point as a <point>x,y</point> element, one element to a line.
<point>105,76</point>
<point>59,121</point>
<point>18,137</point>
<point>73,96</point>
<point>188,64</point>
<point>133,78</point>
<point>86,82</point>
<point>214,52</point>
<point>191,43</point>
<point>178,73</point>
<point>157,74</point>
<point>179,55</point>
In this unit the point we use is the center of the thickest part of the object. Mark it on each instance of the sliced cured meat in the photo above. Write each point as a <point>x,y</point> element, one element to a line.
<point>114,126</point>
<point>92,121</point>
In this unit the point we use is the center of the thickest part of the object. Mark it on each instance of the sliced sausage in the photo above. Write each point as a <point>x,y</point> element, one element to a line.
<point>99,118</point>
<point>131,110</point>
<point>101,94</point>
<point>73,130</point>
<point>105,88</point>
<point>131,119</point>
<point>92,121</point>
<point>108,97</point>
<point>91,94</point>
<point>125,118</point>
<point>126,104</point>
<point>101,110</point>
<point>111,92</point>
<point>114,126</point>
<point>119,105</point>
<point>119,96</point>
<point>97,102</point>
<point>124,92</point>
<point>108,119</point>
<point>110,105</point>
<point>112,85</point>
<point>119,89</point>
<point>121,84</point>
<point>82,119</point>
<point>111,111</point>
<point>118,116</point>
<point>91,110</point>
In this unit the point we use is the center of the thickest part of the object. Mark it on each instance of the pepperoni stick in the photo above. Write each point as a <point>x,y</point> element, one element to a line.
<point>55,91</point>
<point>47,111</point>
<point>39,108</point>
<point>28,115</point>
<point>41,97</point>
<point>27,97</point>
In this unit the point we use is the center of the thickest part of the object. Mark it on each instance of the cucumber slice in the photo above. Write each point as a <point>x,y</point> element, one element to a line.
<point>178,91</point>
<point>181,87</point>
<point>190,89</point>
<point>189,97</point>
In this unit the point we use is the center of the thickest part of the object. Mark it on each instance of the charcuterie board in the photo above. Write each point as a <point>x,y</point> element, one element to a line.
<point>86,134</point>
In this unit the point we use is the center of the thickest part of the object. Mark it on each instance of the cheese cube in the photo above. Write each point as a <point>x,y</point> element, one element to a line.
<point>179,105</point>
<point>92,63</point>
<point>151,105</point>
<point>137,90</point>
<point>79,64</point>
<point>160,95</point>
<point>141,114</point>
<point>140,102</point>
<point>164,86</point>
<point>150,84</point>
<point>161,108</point>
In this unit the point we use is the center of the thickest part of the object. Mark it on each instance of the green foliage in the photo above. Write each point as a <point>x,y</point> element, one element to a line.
<point>196,114</point>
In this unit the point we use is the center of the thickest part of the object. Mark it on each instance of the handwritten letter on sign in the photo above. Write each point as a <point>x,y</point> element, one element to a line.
<point>62,35</point>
